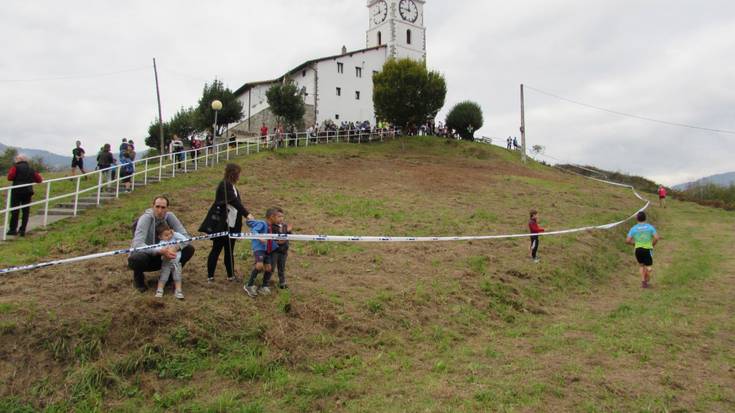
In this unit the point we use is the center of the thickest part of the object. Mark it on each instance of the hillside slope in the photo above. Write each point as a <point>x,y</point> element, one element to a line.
<point>380,327</point>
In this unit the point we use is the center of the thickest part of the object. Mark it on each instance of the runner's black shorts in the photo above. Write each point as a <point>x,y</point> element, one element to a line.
<point>77,163</point>
<point>644,256</point>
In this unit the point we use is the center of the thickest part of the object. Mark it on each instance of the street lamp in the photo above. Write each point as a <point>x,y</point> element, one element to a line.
<point>216,107</point>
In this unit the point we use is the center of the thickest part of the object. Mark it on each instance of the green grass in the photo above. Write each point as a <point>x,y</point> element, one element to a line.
<point>394,328</point>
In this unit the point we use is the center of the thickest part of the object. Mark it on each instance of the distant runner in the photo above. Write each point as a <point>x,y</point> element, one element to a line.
<point>644,237</point>
<point>662,196</point>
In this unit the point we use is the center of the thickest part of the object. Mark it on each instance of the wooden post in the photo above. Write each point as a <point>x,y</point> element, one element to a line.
<point>523,127</point>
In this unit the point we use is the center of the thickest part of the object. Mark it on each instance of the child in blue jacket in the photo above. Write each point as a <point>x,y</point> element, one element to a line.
<point>262,253</point>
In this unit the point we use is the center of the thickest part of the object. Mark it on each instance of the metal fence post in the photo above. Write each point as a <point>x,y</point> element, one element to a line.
<point>145,173</point>
<point>7,214</point>
<point>117,181</point>
<point>76,195</point>
<point>45,209</point>
<point>99,186</point>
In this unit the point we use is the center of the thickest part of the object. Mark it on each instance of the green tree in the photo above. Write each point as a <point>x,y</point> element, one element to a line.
<point>286,103</point>
<point>465,117</point>
<point>407,94</point>
<point>184,123</point>
<point>231,107</point>
<point>153,139</point>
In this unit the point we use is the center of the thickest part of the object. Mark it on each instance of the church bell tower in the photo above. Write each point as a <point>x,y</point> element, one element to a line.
<point>398,24</point>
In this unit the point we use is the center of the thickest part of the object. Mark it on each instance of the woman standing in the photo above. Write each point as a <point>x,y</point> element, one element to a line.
<point>228,208</point>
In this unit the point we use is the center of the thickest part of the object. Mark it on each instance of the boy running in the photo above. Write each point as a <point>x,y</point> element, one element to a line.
<point>534,227</point>
<point>262,253</point>
<point>644,237</point>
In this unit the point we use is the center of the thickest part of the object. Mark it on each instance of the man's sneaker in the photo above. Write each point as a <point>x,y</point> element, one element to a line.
<point>159,293</point>
<point>141,288</point>
<point>231,279</point>
<point>22,233</point>
<point>264,290</point>
<point>283,286</point>
<point>210,280</point>
<point>251,290</point>
<point>179,295</point>
<point>11,233</point>
<point>537,260</point>
<point>644,284</point>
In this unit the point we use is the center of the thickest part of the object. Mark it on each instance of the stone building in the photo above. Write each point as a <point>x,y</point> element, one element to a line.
<point>340,87</point>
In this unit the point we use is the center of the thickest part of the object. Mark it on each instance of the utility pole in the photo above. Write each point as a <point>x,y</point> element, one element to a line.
<point>160,116</point>
<point>523,127</point>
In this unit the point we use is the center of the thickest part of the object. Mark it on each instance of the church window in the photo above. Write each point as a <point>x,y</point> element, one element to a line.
<point>303,73</point>
<point>339,91</point>
<point>358,71</point>
<point>340,67</point>
<point>408,36</point>
<point>357,95</point>
<point>380,38</point>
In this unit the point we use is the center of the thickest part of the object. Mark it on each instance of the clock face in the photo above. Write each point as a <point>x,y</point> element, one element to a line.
<point>408,10</point>
<point>380,12</point>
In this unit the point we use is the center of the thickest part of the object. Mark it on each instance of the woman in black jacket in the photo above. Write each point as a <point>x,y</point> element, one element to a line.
<point>227,195</point>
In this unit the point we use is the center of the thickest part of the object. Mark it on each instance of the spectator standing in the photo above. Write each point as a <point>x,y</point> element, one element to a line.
<point>104,161</point>
<point>77,159</point>
<point>123,147</point>
<point>534,227</point>
<point>227,207</point>
<point>263,132</point>
<point>515,143</point>
<point>177,150</point>
<point>127,168</point>
<point>280,255</point>
<point>21,173</point>
<point>233,141</point>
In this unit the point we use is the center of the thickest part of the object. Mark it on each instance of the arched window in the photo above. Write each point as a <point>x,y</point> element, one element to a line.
<point>380,38</point>
<point>408,36</point>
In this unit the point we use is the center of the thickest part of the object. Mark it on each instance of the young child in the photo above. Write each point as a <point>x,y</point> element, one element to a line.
<point>262,252</point>
<point>534,227</point>
<point>280,255</point>
<point>644,236</point>
<point>165,234</point>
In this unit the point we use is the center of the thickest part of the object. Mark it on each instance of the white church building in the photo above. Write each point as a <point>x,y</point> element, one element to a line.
<point>340,87</point>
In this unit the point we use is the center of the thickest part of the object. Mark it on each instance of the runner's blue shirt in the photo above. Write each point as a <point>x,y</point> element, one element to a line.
<point>643,235</point>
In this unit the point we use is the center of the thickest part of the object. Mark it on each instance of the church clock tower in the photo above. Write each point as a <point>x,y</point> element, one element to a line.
<point>398,24</point>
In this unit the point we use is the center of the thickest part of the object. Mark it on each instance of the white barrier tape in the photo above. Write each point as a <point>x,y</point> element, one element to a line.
<point>339,238</point>
<point>107,254</point>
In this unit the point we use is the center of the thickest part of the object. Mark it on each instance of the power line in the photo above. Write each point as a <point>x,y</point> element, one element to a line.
<point>629,114</point>
<point>90,76</point>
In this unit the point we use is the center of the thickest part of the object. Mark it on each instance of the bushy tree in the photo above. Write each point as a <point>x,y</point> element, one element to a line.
<point>183,123</point>
<point>465,117</point>
<point>153,139</point>
<point>407,94</point>
<point>286,103</point>
<point>7,159</point>
<point>231,107</point>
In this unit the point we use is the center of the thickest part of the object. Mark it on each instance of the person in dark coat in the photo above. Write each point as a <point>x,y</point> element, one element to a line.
<point>227,195</point>
<point>21,173</point>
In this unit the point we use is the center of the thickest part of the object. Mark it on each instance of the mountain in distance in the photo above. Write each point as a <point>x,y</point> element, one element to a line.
<point>52,160</point>
<point>725,179</point>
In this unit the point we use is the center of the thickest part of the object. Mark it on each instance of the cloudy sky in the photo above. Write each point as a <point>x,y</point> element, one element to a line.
<point>83,69</point>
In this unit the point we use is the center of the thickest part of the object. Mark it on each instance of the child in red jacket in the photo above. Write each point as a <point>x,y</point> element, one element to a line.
<point>534,227</point>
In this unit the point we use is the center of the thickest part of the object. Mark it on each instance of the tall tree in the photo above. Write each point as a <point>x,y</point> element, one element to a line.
<point>286,103</point>
<point>407,94</point>
<point>153,139</point>
<point>465,117</point>
<point>231,107</point>
<point>184,123</point>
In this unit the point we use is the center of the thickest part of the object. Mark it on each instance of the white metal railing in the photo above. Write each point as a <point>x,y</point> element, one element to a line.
<point>187,160</point>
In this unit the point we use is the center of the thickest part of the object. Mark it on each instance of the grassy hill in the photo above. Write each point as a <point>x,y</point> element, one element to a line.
<point>471,326</point>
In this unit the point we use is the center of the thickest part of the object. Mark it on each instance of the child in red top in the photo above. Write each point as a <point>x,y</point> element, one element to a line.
<point>662,197</point>
<point>534,227</point>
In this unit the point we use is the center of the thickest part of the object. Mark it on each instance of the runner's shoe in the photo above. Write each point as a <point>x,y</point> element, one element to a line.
<point>264,290</point>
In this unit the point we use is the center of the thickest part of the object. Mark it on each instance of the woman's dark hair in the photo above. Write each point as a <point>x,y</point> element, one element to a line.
<point>232,172</point>
<point>106,148</point>
<point>641,217</point>
<point>532,213</point>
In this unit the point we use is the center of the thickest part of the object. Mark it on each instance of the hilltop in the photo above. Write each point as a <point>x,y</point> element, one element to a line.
<point>473,326</point>
<point>52,160</point>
